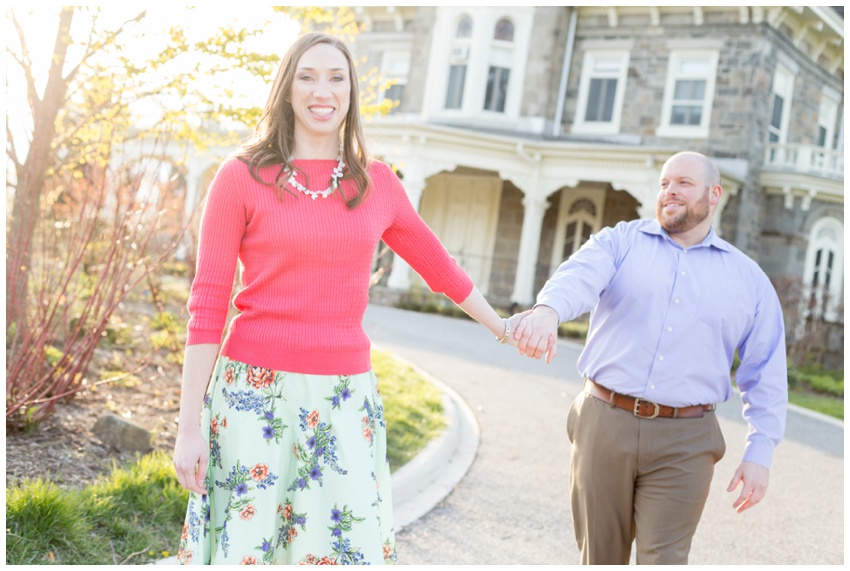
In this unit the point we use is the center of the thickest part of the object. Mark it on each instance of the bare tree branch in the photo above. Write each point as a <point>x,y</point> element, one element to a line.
<point>94,46</point>
<point>26,64</point>
<point>11,152</point>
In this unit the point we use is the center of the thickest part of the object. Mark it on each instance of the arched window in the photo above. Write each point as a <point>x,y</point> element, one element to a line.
<point>579,216</point>
<point>579,225</point>
<point>823,276</point>
<point>464,28</point>
<point>458,58</point>
<point>499,73</point>
<point>504,30</point>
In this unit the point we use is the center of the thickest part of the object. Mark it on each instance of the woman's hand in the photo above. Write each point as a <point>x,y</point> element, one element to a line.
<point>191,457</point>
<point>514,322</point>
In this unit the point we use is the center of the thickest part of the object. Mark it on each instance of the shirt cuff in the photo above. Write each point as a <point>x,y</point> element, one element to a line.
<point>195,337</point>
<point>759,453</point>
<point>554,305</point>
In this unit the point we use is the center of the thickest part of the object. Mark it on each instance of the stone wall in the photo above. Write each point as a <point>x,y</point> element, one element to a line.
<point>545,60</point>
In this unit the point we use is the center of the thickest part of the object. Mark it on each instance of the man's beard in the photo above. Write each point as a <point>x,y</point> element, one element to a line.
<point>684,221</point>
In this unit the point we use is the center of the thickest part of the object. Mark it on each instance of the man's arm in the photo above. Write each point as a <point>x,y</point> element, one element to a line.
<point>572,290</point>
<point>762,378</point>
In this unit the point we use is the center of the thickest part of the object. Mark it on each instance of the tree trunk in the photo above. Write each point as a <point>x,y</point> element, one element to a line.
<point>31,175</point>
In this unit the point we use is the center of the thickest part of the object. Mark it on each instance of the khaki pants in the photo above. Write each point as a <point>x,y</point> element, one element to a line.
<point>641,480</point>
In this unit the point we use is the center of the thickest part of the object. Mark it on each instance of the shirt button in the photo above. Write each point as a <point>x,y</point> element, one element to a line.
<point>661,358</point>
<point>677,300</point>
<point>652,387</point>
<point>669,329</point>
<point>683,273</point>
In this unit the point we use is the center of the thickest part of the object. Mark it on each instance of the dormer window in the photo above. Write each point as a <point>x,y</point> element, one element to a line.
<point>458,58</point>
<point>499,72</point>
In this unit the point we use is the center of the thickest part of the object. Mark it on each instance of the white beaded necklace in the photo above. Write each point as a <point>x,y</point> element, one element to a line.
<point>337,174</point>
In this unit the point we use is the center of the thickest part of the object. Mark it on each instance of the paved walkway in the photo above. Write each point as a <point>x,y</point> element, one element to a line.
<point>512,506</point>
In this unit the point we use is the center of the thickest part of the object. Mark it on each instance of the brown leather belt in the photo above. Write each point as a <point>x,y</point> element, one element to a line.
<point>643,408</point>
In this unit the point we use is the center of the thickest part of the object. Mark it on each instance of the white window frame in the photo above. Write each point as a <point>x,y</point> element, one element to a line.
<point>665,129</point>
<point>828,115</point>
<point>395,66</point>
<point>501,55</point>
<point>459,54</point>
<point>827,234</point>
<point>783,86</point>
<point>472,112</point>
<point>591,58</point>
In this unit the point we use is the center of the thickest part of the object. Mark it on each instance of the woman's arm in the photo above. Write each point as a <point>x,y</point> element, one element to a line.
<point>191,451</point>
<point>480,310</point>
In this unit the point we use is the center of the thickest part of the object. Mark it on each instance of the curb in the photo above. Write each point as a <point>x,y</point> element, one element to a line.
<point>428,478</point>
<point>424,481</point>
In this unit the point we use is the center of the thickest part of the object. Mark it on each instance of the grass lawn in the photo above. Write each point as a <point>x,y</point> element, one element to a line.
<point>135,515</point>
<point>829,405</point>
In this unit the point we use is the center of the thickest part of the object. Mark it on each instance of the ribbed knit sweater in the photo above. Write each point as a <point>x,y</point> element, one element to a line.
<point>306,266</point>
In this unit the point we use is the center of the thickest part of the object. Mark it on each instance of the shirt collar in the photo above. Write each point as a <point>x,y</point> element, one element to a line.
<point>712,239</point>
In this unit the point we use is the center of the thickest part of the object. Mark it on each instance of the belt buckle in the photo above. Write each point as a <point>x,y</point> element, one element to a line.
<point>637,407</point>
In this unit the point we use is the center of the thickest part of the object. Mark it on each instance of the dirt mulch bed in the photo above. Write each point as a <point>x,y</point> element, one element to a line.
<point>63,448</point>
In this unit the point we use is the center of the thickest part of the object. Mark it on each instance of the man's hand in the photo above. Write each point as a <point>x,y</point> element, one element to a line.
<point>754,477</point>
<point>537,334</point>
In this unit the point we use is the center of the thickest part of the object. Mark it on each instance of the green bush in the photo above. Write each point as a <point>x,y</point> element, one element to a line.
<point>573,329</point>
<point>818,380</point>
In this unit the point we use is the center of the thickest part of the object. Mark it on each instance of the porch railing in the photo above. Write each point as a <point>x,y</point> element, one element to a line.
<point>805,159</point>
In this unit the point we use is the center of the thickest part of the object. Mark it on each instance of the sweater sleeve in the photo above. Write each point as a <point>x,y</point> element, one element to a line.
<point>412,239</point>
<point>222,227</point>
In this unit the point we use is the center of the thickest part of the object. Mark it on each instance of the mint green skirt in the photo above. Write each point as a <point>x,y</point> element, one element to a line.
<point>298,471</point>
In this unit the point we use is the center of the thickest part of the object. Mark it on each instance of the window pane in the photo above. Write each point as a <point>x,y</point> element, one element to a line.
<point>395,93</point>
<point>464,28</point>
<point>569,240</point>
<point>610,91</point>
<point>497,88</point>
<point>821,136</point>
<point>454,94</point>
<point>600,100</point>
<point>686,115</point>
<point>776,117</point>
<point>586,231</point>
<point>504,31</point>
<point>690,89</point>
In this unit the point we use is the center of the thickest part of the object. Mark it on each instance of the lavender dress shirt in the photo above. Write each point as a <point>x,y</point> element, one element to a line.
<point>665,323</point>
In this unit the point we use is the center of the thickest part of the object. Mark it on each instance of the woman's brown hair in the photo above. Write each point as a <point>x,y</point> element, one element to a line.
<point>273,141</point>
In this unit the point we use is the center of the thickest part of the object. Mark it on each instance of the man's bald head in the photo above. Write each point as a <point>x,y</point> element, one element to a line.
<point>710,170</point>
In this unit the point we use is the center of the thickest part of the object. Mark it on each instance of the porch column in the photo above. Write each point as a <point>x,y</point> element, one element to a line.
<point>529,248</point>
<point>399,277</point>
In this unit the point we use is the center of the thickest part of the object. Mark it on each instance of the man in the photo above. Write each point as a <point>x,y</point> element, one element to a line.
<point>671,302</point>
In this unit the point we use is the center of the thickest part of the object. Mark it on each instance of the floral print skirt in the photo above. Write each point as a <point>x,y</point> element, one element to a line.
<point>298,471</point>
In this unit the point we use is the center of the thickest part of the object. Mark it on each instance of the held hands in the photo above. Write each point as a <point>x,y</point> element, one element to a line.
<point>755,478</point>
<point>191,456</point>
<point>537,333</point>
<point>513,323</point>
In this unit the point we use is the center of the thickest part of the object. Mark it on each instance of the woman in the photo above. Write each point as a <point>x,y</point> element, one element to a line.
<point>285,451</point>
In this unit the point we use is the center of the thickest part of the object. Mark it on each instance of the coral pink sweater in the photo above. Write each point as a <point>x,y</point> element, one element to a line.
<point>306,266</point>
